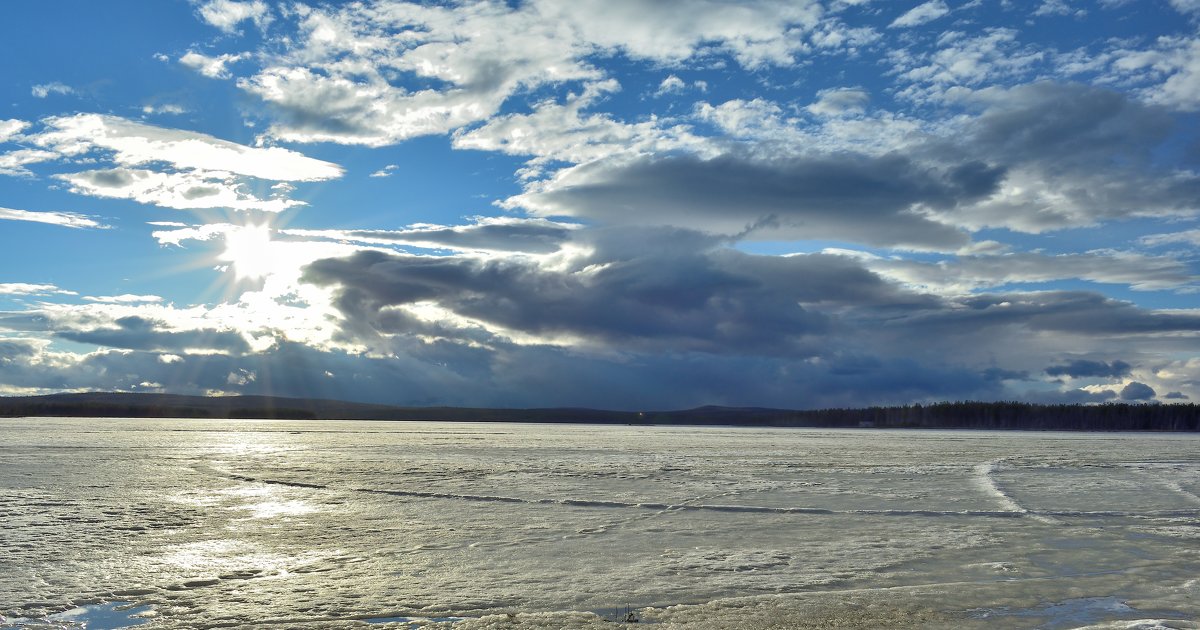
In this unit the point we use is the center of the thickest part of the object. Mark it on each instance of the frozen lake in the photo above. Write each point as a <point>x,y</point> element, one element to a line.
<point>198,523</point>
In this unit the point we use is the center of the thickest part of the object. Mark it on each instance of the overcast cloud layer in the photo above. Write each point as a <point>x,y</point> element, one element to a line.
<point>611,203</point>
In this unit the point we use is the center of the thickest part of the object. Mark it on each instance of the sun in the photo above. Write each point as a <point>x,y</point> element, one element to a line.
<point>249,250</point>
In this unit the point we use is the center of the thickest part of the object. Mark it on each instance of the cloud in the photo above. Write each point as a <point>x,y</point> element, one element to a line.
<point>563,132</point>
<point>1186,6</point>
<point>165,108</point>
<point>136,333</point>
<point>849,197</point>
<point>1083,368</point>
<point>181,191</point>
<point>211,67</point>
<point>24,288</point>
<point>1056,7</point>
<point>45,90</point>
<point>501,234</point>
<point>227,14</point>
<point>1137,391</point>
<point>921,14</point>
<point>1172,64</point>
<point>65,219</point>
<point>14,163</point>
<point>125,298</point>
<point>11,127</point>
<point>1188,237</point>
<point>840,101</point>
<point>1074,156</point>
<point>966,273</point>
<point>670,85</point>
<point>959,60</point>
<point>136,144</point>
<point>171,168</point>
<point>386,171</point>
<point>343,81</point>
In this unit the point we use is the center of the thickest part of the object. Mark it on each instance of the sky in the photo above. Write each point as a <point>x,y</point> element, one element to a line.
<point>627,204</point>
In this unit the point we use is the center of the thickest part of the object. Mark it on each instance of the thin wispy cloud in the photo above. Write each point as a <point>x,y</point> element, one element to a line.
<point>64,219</point>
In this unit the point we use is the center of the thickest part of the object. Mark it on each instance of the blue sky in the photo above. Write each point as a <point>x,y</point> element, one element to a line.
<point>626,204</point>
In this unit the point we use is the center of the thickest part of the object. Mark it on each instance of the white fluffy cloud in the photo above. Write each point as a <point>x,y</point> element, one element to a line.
<point>348,79</point>
<point>227,14</point>
<point>211,67</point>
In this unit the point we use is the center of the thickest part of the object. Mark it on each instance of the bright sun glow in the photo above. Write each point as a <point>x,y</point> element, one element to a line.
<point>249,250</point>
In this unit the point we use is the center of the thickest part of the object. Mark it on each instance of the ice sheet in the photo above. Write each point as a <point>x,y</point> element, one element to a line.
<point>332,524</point>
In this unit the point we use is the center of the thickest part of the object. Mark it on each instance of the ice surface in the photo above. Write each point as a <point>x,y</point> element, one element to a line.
<point>358,524</point>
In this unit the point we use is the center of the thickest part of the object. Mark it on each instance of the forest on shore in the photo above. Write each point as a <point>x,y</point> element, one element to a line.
<point>942,415</point>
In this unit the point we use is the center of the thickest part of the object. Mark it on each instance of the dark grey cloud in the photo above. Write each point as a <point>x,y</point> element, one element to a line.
<point>1137,391</point>
<point>137,333</point>
<point>857,198</point>
<point>112,178</point>
<point>1175,396</point>
<point>1067,125</point>
<point>1082,368</point>
<point>1074,154</point>
<point>1069,397</point>
<point>693,303</point>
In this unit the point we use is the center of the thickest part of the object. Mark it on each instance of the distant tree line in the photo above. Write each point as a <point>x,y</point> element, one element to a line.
<point>944,415</point>
<point>969,415</point>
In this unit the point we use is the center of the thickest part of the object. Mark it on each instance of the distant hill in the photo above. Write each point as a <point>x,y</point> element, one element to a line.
<point>948,415</point>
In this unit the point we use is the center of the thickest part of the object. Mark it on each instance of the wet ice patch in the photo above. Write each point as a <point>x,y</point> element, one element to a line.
<point>415,621</point>
<point>1066,614</point>
<point>103,616</point>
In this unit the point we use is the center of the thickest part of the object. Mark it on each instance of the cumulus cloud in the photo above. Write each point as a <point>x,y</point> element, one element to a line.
<point>670,85</point>
<point>335,86</point>
<point>11,127</point>
<point>921,14</point>
<point>1137,391</point>
<point>65,219</point>
<point>227,14</point>
<point>211,67</point>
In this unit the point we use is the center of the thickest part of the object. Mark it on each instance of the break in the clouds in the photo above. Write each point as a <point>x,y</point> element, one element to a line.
<point>607,203</point>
